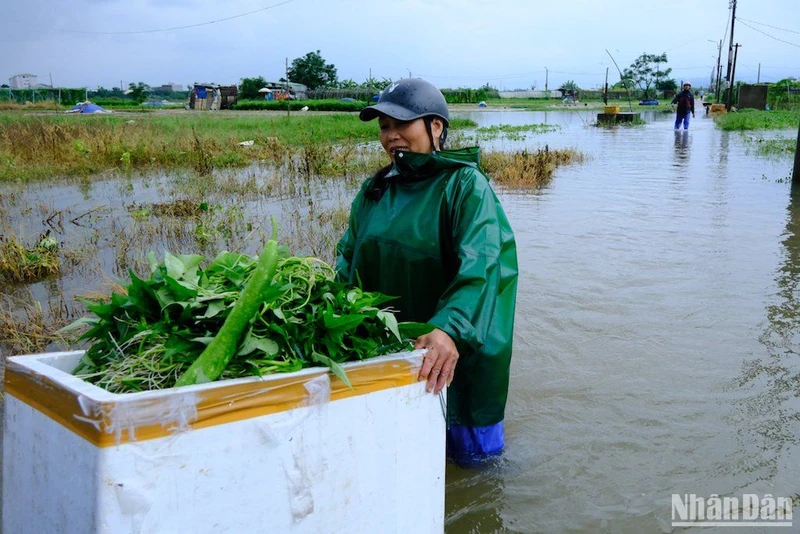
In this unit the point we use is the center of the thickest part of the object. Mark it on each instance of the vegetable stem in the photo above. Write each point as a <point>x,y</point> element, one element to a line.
<point>216,356</point>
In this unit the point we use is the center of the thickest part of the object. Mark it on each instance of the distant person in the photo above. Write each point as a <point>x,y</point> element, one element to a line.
<point>685,101</point>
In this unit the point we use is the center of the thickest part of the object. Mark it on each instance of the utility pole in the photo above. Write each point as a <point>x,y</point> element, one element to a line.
<point>733,76</point>
<point>758,80</point>
<point>730,57</point>
<point>730,44</point>
<point>719,68</point>
<point>546,75</point>
<point>287,86</point>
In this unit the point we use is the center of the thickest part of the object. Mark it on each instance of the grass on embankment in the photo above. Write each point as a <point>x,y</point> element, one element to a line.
<point>751,119</point>
<point>42,146</point>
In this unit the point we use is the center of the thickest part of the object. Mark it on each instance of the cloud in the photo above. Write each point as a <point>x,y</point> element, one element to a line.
<point>454,43</point>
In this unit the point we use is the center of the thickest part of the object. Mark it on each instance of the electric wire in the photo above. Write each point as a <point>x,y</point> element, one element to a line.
<point>767,25</point>
<point>174,28</point>
<point>768,35</point>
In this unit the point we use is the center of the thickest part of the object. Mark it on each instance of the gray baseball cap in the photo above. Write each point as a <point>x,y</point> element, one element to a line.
<point>409,99</point>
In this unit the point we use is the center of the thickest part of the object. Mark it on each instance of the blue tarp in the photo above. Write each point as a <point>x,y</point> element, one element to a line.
<point>87,107</point>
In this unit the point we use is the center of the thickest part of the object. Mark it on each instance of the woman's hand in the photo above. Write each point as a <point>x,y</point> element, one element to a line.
<point>439,364</point>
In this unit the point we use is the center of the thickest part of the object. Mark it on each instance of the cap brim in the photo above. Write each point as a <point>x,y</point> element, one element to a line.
<point>387,108</point>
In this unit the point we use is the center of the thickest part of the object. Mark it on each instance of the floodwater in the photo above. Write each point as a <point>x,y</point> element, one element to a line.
<point>656,332</point>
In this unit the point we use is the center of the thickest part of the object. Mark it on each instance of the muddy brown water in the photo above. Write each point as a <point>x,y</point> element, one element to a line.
<point>656,333</point>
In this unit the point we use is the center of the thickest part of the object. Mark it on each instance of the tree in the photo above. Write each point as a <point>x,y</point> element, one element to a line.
<point>138,92</point>
<point>646,70</point>
<point>348,84</point>
<point>248,88</point>
<point>569,85</point>
<point>668,84</point>
<point>569,88</point>
<point>376,84</point>
<point>312,71</point>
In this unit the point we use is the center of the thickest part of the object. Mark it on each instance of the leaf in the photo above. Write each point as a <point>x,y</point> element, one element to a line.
<point>174,265</point>
<point>214,308</point>
<point>142,296</point>
<point>367,299</point>
<point>413,330</point>
<point>177,345</point>
<point>263,344</point>
<point>180,290</point>
<point>83,321</point>
<point>337,369</point>
<point>191,262</point>
<point>390,321</point>
<point>340,323</point>
<point>151,261</point>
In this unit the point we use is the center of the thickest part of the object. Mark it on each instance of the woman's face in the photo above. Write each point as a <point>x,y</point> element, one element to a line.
<point>408,135</point>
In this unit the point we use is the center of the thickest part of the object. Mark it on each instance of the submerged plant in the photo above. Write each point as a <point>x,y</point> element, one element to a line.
<point>527,168</point>
<point>21,263</point>
<point>776,148</point>
<point>513,132</point>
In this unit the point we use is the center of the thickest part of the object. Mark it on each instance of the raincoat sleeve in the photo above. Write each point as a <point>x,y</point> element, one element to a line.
<point>466,307</point>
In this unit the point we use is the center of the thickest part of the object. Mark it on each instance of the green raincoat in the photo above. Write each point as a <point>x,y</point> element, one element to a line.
<point>439,240</point>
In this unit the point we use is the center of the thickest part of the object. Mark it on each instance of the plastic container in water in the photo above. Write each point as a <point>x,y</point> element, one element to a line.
<point>297,452</point>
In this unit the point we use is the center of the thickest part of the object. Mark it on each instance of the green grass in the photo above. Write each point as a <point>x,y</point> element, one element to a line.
<point>34,146</point>
<point>751,119</point>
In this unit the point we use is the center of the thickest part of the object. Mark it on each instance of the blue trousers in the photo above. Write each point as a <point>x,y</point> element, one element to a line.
<point>682,119</point>
<point>471,445</point>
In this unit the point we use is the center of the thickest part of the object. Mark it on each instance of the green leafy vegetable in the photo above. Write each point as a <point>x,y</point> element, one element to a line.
<point>149,337</point>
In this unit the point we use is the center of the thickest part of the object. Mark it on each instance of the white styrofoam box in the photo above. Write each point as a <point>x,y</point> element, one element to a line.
<point>290,453</point>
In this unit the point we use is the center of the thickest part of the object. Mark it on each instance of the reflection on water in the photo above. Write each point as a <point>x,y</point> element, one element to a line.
<point>681,147</point>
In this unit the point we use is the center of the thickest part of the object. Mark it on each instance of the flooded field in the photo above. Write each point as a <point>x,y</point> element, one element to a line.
<point>657,317</point>
<point>656,338</point>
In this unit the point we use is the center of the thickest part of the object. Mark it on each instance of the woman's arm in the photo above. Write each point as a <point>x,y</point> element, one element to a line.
<point>463,317</point>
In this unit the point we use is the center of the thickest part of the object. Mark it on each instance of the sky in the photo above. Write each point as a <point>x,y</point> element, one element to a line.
<point>510,44</point>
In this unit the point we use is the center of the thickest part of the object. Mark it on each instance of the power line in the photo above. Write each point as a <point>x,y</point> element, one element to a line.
<point>768,26</point>
<point>132,32</point>
<point>768,35</point>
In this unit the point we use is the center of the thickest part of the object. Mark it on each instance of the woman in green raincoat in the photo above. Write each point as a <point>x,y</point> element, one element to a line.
<point>428,229</point>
